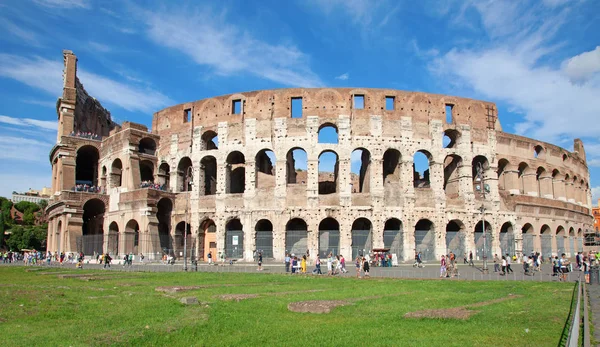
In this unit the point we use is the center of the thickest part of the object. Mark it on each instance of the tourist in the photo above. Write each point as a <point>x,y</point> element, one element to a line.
<point>343,264</point>
<point>209,257</point>
<point>471,258</point>
<point>504,265</point>
<point>259,261</point>
<point>585,266</point>
<point>330,264</point>
<point>303,264</point>
<point>365,267</point>
<point>338,265</point>
<point>465,258</point>
<point>357,267</point>
<point>287,262</point>
<point>496,263</point>
<point>443,267</point>
<point>508,263</point>
<point>294,264</point>
<point>555,267</point>
<point>318,265</point>
<point>564,267</point>
<point>107,260</point>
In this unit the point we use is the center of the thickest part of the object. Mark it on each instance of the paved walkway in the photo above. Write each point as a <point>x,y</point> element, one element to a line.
<point>593,291</point>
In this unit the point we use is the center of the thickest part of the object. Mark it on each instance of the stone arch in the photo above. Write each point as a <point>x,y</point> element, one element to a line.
<point>131,237</point>
<point>393,237</point>
<point>329,237</point>
<point>58,236</point>
<point>422,160</point>
<point>164,175</point>
<point>113,239</point>
<point>328,133</point>
<point>163,214</point>
<point>328,172</point>
<point>362,237</point>
<point>147,145</point>
<point>561,234</point>
<point>539,152</point>
<point>146,171</point>
<point>116,173</point>
<point>528,234</point>
<point>456,238</point>
<point>525,183</point>
<point>483,240</point>
<point>452,165</point>
<point>234,239</point>
<point>392,161</point>
<point>208,170</point>
<point>265,162</point>
<point>425,239</point>
<point>361,171</point>
<point>92,234</point>
<point>210,140</point>
<point>185,174</point>
<point>86,165</point>
<point>296,166</point>
<point>507,239</point>
<point>296,236</point>
<point>503,166</point>
<point>480,167</point>
<point>207,239</point>
<point>264,238</point>
<point>546,241</point>
<point>236,173</point>
<point>451,138</point>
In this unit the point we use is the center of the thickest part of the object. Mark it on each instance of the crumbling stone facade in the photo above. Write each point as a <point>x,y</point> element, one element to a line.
<point>227,167</point>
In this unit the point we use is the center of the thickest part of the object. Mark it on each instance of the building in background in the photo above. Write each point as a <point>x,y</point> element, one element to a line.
<point>596,214</point>
<point>34,196</point>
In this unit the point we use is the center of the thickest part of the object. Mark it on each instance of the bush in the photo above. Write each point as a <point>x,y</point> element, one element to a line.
<point>27,237</point>
<point>25,206</point>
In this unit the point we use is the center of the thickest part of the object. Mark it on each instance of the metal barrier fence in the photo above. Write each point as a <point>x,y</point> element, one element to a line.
<point>362,242</point>
<point>576,331</point>
<point>329,242</point>
<point>425,243</point>
<point>153,248</point>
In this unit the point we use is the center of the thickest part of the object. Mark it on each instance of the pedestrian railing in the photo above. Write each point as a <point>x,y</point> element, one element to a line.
<point>576,331</point>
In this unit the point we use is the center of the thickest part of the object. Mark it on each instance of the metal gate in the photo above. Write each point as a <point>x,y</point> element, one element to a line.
<point>264,243</point>
<point>527,244</point>
<point>234,243</point>
<point>580,244</point>
<point>113,244</point>
<point>455,243</point>
<point>507,243</point>
<point>296,242</point>
<point>560,245</point>
<point>425,243</point>
<point>329,242</point>
<point>166,243</point>
<point>362,243</point>
<point>572,245</point>
<point>394,240</point>
<point>480,244</point>
<point>546,246</point>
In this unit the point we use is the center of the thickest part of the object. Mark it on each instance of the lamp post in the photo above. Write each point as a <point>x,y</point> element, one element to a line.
<point>481,188</point>
<point>188,174</point>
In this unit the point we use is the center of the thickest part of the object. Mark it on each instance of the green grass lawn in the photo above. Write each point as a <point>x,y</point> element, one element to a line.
<point>119,308</point>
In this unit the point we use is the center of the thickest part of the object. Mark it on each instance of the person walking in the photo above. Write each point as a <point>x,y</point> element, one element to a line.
<point>259,261</point>
<point>303,264</point>
<point>209,257</point>
<point>358,266</point>
<point>318,265</point>
<point>504,265</point>
<point>508,263</point>
<point>443,267</point>
<point>343,264</point>
<point>288,259</point>
<point>366,267</point>
<point>496,263</point>
<point>471,259</point>
<point>330,264</point>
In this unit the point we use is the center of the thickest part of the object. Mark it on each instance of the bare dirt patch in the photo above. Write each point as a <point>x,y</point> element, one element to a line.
<point>237,297</point>
<point>175,289</point>
<point>460,312</point>
<point>316,306</point>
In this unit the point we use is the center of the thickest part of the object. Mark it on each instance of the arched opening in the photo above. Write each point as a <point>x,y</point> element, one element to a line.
<point>146,172</point>
<point>539,174</point>
<point>502,166</point>
<point>393,238</point>
<point>456,238</point>
<point>329,237</point>
<point>523,170</point>
<point>113,239</point>
<point>164,175</point>
<point>86,166</point>
<point>147,146</point>
<point>425,239</point>
<point>450,139</point>
<point>92,231</point>
<point>546,240</point>
<point>391,167</point>
<point>132,237</point>
<point>103,177</point>
<point>264,238</point>
<point>479,173</point>
<point>236,173</point>
<point>360,170</point>
<point>210,140</point>
<point>560,240</point>
<point>421,169</point>
<point>539,152</point>
<point>208,236</point>
<point>58,236</point>
<point>185,174</point>
<point>528,235</point>
<point>296,237</point>
<point>362,237</point>
<point>163,214</point>
<point>208,167</point>
<point>328,172</point>
<point>571,239</point>
<point>579,240</point>
<point>507,239</point>
<point>296,166</point>
<point>555,181</point>
<point>483,245</point>
<point>452,164</point>
<point>183,229</point>
<point>234,239</point>
<point>328,133</point>
<point>116,172</point>
<point>265,169</point>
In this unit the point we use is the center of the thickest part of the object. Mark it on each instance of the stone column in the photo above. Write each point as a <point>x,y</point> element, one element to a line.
<point>545,184</point>
<point>558,186</point>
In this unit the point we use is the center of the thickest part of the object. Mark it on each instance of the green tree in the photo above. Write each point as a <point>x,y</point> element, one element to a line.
<point>24,206</point>
<point>5,206</point>
<point>43,204</point>
<point>27,237</point>
<point>28,218</point>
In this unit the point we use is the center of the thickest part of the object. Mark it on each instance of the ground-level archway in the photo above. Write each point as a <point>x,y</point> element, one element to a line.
<point>393,238</point>
<point>264,238</point>
<point>329,237</point>
<point>425,239</point>
<point>296,237</point>
<point>507,239</point>
<point>456,237</point>
<point>91,241</point>
<point>234,239</point>
<point>362,237</point>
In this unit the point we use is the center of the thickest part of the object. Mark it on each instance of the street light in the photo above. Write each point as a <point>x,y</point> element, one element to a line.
<point>188,174</point>
<point>482,188</point>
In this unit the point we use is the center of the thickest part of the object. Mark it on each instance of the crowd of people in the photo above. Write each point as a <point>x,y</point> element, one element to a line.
<point>152,185</point>
<point>336,264</point>
<point>87,188</point>
<point>86,135</point>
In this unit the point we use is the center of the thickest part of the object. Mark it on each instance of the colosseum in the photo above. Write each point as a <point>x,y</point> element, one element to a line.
<point>254,171</point>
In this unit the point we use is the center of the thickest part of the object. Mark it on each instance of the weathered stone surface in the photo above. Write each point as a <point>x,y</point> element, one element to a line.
<point>190,300</point>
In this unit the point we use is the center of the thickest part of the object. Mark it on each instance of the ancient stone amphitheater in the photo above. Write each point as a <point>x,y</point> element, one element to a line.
<point>246,172</point>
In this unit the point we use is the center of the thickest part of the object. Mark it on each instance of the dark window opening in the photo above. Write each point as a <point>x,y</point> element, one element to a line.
<point>236,106</point>
<point>296,166</point>
<point>360,171</point>
<point>236,173</point>
<point>328,172</point>
<point>296,107</point>
<point>187,115</point>
<point>389,103</point>
<point>359,102</point>
<point>208,166</point>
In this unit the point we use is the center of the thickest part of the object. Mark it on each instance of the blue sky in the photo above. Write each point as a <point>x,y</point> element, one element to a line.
<point>538,60</point>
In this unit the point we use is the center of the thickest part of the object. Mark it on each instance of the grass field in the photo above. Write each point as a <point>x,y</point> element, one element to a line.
<point>38,308</point>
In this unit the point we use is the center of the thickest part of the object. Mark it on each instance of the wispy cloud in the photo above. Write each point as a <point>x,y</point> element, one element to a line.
<point>19,32</point>
<point>24,149</point>
<point>46,75</point>
<point>343,77</point>
<point>99,47</point>
<point>368,15</point>
<point>44,103</point>
<point>64,3</point>
<point>584,66</point>
<point>210,40</point>
<point>28,122</point>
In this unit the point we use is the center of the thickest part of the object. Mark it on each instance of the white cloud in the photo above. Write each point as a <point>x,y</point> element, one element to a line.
<point>64,3</point>
<point>99,47</point>
<point>595,195</point>
<point>368,14</point>
<point>208,39</point>
<point>343,77</point>
<point>28,122</point>
<point>44,103</point>
<point>24,149</point>
<point>19,32</point>
<point>582,67</point>
<point>46,75</point>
